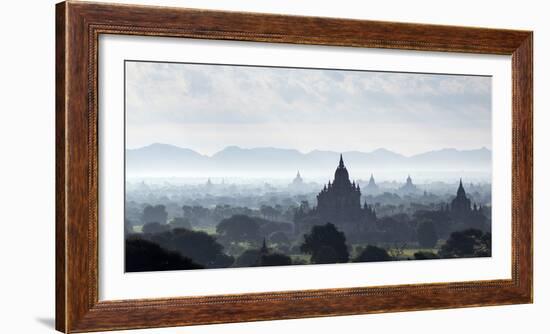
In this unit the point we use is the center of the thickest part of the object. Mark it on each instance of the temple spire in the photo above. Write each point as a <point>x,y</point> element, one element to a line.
<point>341,165</point>
<point>461,191</point>
<point>264,249</point>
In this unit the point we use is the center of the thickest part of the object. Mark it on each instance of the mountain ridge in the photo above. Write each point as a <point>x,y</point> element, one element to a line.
<point>160,157</point>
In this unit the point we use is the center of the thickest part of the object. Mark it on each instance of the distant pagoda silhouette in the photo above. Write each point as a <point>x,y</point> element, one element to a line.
<point>372,187</point>
<point>463,213</point>
<point>298,179</point>
<point>408,187</point>
<point>461,204</point>
<point>339,202</point>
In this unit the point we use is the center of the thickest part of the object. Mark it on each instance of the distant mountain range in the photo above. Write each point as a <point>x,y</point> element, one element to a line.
<point>169,159</point>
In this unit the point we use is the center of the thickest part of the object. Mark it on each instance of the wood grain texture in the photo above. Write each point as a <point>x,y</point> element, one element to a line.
<point>60,180</point>
<point>78,27</point>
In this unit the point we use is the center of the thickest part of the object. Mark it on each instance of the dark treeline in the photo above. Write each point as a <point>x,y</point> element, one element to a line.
<point>180,248</point>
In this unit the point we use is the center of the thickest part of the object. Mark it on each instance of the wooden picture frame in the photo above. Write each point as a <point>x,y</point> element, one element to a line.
<point>78,26</point>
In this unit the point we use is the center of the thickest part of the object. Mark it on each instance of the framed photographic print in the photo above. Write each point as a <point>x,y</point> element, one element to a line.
<point>223,166</point>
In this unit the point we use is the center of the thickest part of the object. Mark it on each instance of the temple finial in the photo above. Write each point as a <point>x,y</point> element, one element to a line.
<point>341,165</point>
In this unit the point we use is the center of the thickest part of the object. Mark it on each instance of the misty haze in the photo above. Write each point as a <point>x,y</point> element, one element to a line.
<point>240,166</point>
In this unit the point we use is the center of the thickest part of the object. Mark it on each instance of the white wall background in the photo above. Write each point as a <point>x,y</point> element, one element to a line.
<point>27,166</point>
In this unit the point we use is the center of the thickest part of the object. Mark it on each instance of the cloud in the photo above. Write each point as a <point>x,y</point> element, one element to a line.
<point>196,94</point>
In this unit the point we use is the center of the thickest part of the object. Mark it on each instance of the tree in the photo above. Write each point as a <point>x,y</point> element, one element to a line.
<point>397,229</point>
<point>255,257</point>
<point>267,227</point>
<point>143,255</point>
<point>154,228</point>
<point>180,222</point>
<point>397,251</point>
<point>279,237</point>
<point>248,258</point>
<point>198,246</point>
<point>467,243</point>
<point>155,213</point>
<point>325,244</point>
<point>128,227</point>
<point>239,228</point>
<point>268,211</point>
<point>373,254</point>
<point>275,259</point>
<point>440,218</point>
<point>427,236</point>
<point>425,256</point>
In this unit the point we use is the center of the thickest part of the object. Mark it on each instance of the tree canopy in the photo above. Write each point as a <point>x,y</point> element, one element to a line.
<point>275,259</point>
<point>427,235</point>
<point>249,258</point>
<point>180,222</point>
<point>198,246</point>
<point>325,244</point>
<point>239,228</point>
<point>156,213</point>
<point>425,256</point>
<point>373,254</point>
<point>144,255</point>
<point>154,227</point>
<point>467,243</point>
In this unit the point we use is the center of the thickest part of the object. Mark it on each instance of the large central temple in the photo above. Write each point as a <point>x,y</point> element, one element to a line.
<point>339,202</point>
<point>341,199</point>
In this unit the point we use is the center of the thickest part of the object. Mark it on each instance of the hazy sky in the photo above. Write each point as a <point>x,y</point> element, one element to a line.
<point>209,107</point>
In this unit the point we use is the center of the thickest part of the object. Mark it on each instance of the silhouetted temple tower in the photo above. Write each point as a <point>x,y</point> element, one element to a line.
<point>339,202</point>
<point>341,176</point>
<point>409,186</point>
<point>372,187</point>
<point>461,203</point>
<point>298,179</point>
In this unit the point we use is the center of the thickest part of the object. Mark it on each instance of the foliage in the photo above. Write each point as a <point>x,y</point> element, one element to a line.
<point>199,246</point>
<point>474,220</point>
<point>155,228</point>
<point>249,258</point>
<point>325,244</point>
<point>268,227</point>
<point>467,243</point>
<point>275,259</point>
<point>128,227</point>
<point>427,236</point>
<point>279,237</point>
<point>269,212</point>
<point>373,254</point>
<point>425,256</point>
<point>239,228</point>
<point>441,220</point>
<point>143,255</point>
<point>180,222</point>
<point>397,251</point>
<point>155,214</point>
<point>254,257</point>
<point>397,228</point>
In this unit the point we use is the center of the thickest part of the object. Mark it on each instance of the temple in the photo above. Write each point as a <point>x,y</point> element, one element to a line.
<point>463,214</point>
<point>408,187</point>
<point>461,204</point>
<point>339,202</point>
<point>372,187</point>
<point>298,179</point>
